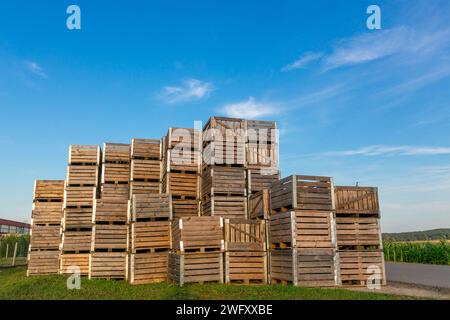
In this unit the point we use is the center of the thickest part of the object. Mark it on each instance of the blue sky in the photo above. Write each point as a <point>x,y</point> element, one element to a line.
<point>363,106</point>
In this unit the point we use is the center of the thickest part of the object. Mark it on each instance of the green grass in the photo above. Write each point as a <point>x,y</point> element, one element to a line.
<point>429,252</point>
<point>8,261</point>
<point>15,285</point>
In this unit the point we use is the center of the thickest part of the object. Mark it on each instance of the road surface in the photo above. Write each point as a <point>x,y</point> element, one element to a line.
<point>419,274</point>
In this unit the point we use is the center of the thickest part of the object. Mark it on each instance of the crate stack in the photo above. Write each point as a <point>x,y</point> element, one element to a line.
<point>145,166</point>
<point>45,234</point>
<point>246,252</point>
<point>197,250</point>
<point>110,229</point>
<point>224,183</point>
<point>181,170</point>
<point>151,216</point>
<point>302,234</point>
<point>358,234</point>
<point>81,190</point>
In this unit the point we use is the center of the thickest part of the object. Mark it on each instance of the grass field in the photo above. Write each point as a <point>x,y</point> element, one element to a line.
<point>15,285</point>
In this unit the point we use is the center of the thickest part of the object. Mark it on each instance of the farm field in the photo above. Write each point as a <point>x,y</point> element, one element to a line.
<point>418,252</point>
<point>15,285</point>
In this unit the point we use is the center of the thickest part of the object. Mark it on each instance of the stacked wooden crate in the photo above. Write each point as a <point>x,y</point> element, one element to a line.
<point>358,235</point>
<point>151,216</point>
<point>197,250</point>
<point>80,193</point>
<point>45,234</point>
<point>302,234</point>
<point>181,170</point>
<point>110,231</point>
<point>145,166</point>
<point>224,187</point>
<point>245,251</point>
<point>261,149</point>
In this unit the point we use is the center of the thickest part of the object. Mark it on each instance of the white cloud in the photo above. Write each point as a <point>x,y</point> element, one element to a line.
<point>191,90</point>
<point>36,69</point>
<point>381,150</point>
<point>381,44</point>
<point>303,61</point>
<point>249,109</point>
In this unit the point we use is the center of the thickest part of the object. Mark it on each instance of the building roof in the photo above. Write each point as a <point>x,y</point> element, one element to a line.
<point>14,223</point>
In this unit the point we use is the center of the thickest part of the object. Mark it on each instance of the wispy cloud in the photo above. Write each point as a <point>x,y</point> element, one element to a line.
<point>303,61</point>
<point>36,69</point>
<point>382,150</point>
<point>190,90</point>
<point>250,108</point>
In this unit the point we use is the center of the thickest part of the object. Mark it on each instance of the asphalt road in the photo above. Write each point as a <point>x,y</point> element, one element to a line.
<point>420,274</point>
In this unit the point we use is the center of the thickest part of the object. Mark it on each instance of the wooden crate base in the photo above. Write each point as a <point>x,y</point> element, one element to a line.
<point>355,267</point>
<point>70,262</point>
<point>144,187</point>
<point>76,241</point>
<point>75,197</point>
<point>115,192</point>
<point>43,262</point>
<point>110,265</point>
<point>358,233</point>
<point>245,267</point>
<point>110,210</point>
<point>52,190</point>
<point>80,175</point>
<point>149,267</point>
<point>47,212</point>
<point>185,208</point>
<point>304,267</point>
<point>150,206</point>
<point>196,267</point>
<point>145,169</point>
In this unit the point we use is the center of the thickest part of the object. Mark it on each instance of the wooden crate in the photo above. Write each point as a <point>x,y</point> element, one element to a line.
<point>145,207</point>
<point>186,185</point>
<point>77,218</point>
<point>45,237</point>
<point>110,211</point>
<point>146,149</point>
<point>76,241</point>
<point>79,196</point>
<point>222,180</point>
<point>145,170</point>
<point>302,229</point>
<point>196,267</point>
<point>43,262</point>
<point>358,233</point>
<point>71,261</point>
<point>82,154</point>
<point>302,192</point>
<point>230,207</point>
<point>83,175</point>
<point>262,155</point>
<point>150,267</point>
<point>304,267</point>
<point>259,130</point>
<point>245,235</point>
<point>47,213</point>
<point>356,267</point>
<point>259,205</point>
<point>144,187</point>
<point>182,160</point>
<point>260,179</point>
<point>48,190</point>
<point>116,173</point>
<point>356,200</point>
<point>183,138</point>
<point>197,234</point>
<point>108,265</point>
<point>116,152</point>
<point>245,267</point>
<point>110,237</point>
<point>112,191</point>
<point>185,208</point>
<point>150,236</point>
